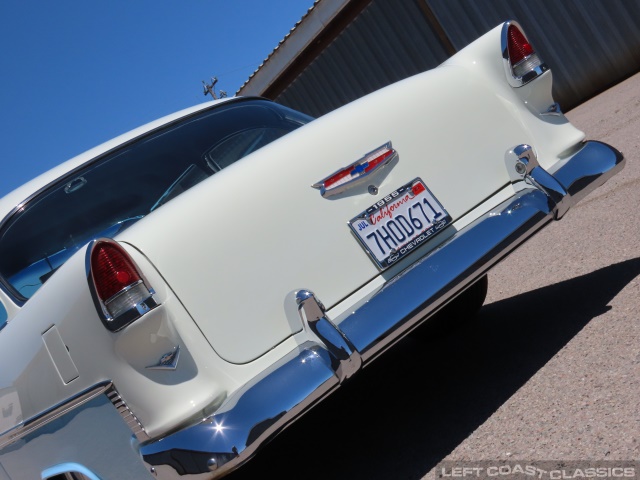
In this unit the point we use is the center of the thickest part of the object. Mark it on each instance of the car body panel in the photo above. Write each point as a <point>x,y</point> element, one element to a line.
<point>283,218</point>
<point>264,302</point>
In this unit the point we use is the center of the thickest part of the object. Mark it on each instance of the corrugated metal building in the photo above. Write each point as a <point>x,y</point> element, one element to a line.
<point>343,49</point>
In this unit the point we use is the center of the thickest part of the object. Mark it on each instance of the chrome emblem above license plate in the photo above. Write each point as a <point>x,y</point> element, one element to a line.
<point>358,172</point>
<point>400,222</point>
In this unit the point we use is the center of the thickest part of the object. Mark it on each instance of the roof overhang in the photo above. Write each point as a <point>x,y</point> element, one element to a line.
<point>317,28</point>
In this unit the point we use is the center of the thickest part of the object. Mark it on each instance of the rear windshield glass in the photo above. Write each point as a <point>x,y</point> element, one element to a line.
<point>116,190</point>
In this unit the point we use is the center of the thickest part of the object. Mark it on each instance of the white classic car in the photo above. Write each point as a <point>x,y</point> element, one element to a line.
<point>175,298</point>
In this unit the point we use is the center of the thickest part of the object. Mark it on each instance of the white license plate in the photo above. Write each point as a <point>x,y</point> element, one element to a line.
<point>399,223</point>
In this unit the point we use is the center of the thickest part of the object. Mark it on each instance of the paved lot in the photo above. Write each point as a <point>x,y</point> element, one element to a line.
<point>550,370</point>
<point>562,321</point>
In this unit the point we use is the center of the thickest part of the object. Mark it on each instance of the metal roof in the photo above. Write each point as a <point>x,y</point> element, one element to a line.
<point>343,49</point>
<point>303,33</point>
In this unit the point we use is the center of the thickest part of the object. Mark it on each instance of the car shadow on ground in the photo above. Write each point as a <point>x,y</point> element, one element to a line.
<point>411,408</point>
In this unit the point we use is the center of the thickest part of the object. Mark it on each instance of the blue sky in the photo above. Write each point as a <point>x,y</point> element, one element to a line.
<point>77,73</point>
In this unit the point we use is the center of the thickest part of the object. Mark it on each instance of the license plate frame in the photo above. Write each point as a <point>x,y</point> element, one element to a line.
<point>398,224</point>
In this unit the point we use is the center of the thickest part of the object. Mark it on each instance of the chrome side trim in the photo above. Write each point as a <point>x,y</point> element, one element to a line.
<point>34,423</point>
<point>263,408</point>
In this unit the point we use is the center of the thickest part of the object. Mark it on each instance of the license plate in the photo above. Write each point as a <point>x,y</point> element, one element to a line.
<point>399,223</point>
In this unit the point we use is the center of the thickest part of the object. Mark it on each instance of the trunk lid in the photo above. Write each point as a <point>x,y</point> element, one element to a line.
<point>233,247</point>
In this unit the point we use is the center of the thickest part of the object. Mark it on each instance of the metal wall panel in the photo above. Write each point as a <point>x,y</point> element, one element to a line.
<point>589,45</point>
<point>389,40</point>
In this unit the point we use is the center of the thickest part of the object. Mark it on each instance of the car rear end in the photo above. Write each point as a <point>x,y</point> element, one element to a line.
<point>234,303</point>
<point>367,222</point>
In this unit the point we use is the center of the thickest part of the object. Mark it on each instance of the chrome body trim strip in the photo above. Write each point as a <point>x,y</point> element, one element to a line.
<point>31,425</point>
<point>83,438</point>
<point>300,380</point>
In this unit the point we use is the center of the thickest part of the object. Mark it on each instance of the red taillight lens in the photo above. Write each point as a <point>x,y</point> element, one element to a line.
<point>113,270</point>
<point>120,292</point>
<point>519,47</point>
<point>521,61</point>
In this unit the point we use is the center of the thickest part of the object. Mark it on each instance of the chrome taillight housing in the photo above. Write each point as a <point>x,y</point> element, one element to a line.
<point>521,62</point>
<point>119,290</point>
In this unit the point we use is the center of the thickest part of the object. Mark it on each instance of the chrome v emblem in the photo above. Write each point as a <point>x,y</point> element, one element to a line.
<point>168,361</point>
<point>358,172</point>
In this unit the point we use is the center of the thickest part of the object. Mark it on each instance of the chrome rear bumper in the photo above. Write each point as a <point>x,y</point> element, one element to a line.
<point>271,402</point>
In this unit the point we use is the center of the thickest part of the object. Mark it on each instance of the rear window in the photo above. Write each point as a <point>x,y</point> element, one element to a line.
<point>116,190</point>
